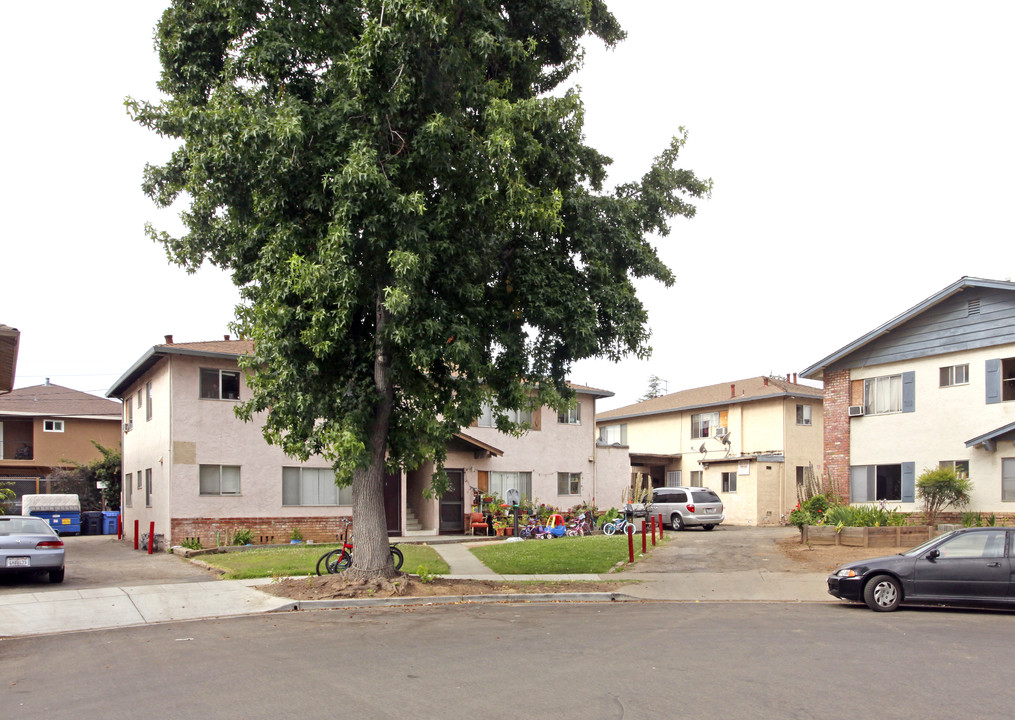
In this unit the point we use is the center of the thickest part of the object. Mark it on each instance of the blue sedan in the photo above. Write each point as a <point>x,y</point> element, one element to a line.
<point>970,566</point>
<point>29,544</point>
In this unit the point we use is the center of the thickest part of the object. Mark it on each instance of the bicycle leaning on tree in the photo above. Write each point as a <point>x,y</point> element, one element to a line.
<point>339,559</point>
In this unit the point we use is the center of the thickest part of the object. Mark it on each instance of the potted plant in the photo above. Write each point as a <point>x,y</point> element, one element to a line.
<point>296,538</point>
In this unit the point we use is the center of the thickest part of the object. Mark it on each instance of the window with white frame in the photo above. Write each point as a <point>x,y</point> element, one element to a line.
<point>220,384</point>
<point>954,375</point>
<point>219,479</point>
<point>147,487</point>
<point>703,425</point>
<point>571,416</point>
<point>128,487</point>
<point>128,415</point>
<point>803,414</point>
<point>882,395</point>
<point>697,478</point>
<point>501,482</point>
<point>672,478</point>
<point>52,425</point>
<point>961,467</point>
<point>487,418</point>
<point>1008,480</point>
<point>569,483</point>
<point>313,486</point>
<point>148,400</point>
<point>729,482</point>
<point>613,434</point>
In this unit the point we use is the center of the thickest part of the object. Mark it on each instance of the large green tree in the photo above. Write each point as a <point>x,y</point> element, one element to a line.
<point>413,215</point>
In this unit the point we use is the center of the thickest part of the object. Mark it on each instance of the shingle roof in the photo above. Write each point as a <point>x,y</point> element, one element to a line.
<point>738,391</point>
<point>56,400</point>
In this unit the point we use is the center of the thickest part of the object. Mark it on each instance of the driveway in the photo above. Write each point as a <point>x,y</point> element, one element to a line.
<point>728,548</point>
<point>95,561</point>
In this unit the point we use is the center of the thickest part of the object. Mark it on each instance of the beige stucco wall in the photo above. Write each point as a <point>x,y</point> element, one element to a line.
<point>944,419</point>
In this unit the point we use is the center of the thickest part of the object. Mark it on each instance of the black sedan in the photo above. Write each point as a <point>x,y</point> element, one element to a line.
<point>29,544</point>
<point>970,566</point>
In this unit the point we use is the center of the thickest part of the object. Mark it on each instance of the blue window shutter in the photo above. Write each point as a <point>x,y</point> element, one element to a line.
<point>858,491</point>
<point>992,378</point>
<point>908,482</point>
<point>908,392</point>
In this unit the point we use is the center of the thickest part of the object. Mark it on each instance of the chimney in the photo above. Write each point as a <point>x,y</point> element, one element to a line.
<point>169,339</point>
<point>765,380</point>
<point>733,390</point>
<point>794,378</point>
<point>47,382</point>
<point>226,338</point>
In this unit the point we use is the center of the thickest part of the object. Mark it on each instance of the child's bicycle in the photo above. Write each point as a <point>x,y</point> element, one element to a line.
<point>339,559</point>
<point>618,525</point>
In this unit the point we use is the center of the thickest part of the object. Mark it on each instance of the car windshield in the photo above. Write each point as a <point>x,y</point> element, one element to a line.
<point>923,546</point>
<point>703,496</point>
<point>24,525</point>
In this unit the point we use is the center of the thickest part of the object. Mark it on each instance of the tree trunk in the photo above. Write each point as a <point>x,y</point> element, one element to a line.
<point>371,557</point>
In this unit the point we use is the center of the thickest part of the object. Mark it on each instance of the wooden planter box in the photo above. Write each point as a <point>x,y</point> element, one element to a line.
<point>900,536</point>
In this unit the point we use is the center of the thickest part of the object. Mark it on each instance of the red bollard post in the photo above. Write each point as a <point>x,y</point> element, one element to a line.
<point>630,542</point>
<point>653,531</point>
<point>119,525</point>
<point>660,526</point>
<point>151,536</point>
<point>135,533</point>
<point>643,548</point>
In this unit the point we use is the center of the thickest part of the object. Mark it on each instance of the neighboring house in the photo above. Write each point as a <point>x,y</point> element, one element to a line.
<point>752,441</point>
<point>49,427</point>
<point>9,339</point>
<point>197,471</point>
<point>934,386</point>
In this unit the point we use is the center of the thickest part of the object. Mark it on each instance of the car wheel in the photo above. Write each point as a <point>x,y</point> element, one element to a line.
<point>56,576</point>
<point>882,593</point>
<point>677,522</point>
<point>708,527</point>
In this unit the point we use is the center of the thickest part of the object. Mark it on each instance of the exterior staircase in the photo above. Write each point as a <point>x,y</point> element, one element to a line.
<point>413,526</point>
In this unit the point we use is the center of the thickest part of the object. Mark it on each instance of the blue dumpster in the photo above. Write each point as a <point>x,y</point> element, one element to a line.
<point>110,520</point>
<point>62,512</point>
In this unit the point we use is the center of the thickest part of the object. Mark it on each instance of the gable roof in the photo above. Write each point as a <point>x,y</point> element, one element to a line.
<point>730,393</point>
<point>57,401</point>
<point>209,349</point>
<point>816,371</point>
<point>9,339</point>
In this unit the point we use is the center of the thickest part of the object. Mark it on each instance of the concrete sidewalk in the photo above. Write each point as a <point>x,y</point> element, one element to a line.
<point>37,613</point>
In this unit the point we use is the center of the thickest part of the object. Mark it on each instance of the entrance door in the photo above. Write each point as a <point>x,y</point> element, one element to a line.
<point>453,504</point>
<point>393,503</point>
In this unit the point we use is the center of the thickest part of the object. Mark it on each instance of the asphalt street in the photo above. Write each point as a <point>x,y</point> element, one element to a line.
<point>632,660</point>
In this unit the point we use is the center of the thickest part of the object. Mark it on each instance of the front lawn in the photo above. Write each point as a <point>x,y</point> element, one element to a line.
<point>296,560</point>
<point>566,555</point>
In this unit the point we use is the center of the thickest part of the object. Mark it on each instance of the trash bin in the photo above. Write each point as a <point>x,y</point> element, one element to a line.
<point>110,521</point>
<point>91,522</point>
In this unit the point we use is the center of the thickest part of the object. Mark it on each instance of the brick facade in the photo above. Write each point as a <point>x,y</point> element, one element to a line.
<point>836,432</point>
<point>264,530</point>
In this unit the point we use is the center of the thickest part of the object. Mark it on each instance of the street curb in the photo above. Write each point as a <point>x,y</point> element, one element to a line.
<point>456,600</point>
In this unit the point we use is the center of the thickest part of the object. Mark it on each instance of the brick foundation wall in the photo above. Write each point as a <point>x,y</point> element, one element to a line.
<point>265,531</point>
<point>836,433</point>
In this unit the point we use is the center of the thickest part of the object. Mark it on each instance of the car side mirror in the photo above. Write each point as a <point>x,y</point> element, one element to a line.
<point>934,554</point>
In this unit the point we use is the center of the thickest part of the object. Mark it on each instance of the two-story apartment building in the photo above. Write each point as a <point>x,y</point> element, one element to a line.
<point>933,386</point>
<point>752,441</point>
<point>49,427</point>
<point>195,470</point>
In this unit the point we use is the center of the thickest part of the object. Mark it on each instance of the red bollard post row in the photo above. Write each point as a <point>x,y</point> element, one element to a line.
<point>653,531</point>
<point>643,548</point>
<point>630,542</point>
<point>135,533</point>
<point>151,536</point>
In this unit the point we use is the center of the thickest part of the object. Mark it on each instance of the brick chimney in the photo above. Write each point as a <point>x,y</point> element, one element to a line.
<point>733,390</point>
<point>226,338</point>
<point>169,339</point>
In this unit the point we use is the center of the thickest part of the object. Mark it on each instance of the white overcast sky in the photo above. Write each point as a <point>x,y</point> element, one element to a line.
<point>862,156</point>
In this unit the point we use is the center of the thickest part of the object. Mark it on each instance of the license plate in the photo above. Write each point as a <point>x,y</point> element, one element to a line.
<point>19,562</point>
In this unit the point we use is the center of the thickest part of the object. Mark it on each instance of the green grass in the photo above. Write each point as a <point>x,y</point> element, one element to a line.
<point>302,560</point>
<point>594,554</point>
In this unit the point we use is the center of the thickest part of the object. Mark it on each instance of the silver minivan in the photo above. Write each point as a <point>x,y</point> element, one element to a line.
<point>686,507</point>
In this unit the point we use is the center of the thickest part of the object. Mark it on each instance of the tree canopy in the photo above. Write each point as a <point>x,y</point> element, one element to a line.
<point>413,216</point>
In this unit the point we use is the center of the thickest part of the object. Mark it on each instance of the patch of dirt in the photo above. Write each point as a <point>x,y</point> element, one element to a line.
<point>826,558</point>
<point>337,587</point>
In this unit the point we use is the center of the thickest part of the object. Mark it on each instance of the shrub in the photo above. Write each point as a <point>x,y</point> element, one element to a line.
<point>242,537</point>
<point>942,488</point>
<point>809,512</point>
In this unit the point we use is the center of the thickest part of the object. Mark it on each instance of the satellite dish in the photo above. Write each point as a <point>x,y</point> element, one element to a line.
<point>702,448</point>
<point>513,496</point>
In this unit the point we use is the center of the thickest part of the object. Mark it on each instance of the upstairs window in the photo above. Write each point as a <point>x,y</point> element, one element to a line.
<point>803,414</point>
<point>220,384</point>
<point>148,400</point>
<point>613,434</point>
<point>703,425</point>
<point>487,418</point>
<point>954,375</point>
<point>571,416</point>
<point>52,425</point>
<point>882,395</point>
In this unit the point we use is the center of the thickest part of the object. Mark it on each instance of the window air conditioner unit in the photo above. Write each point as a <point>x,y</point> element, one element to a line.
<point>720,432</point>
<point>855,410</point>
<point>127,427</point>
